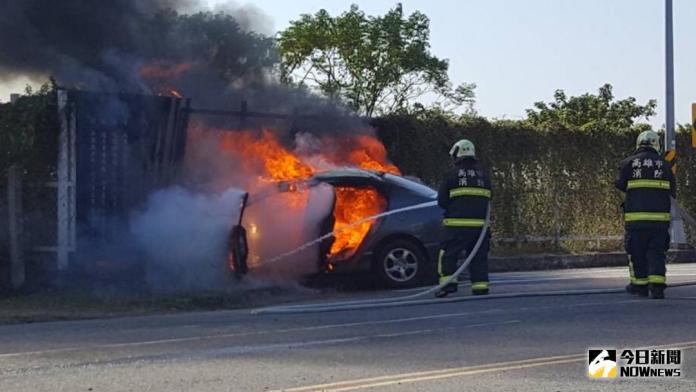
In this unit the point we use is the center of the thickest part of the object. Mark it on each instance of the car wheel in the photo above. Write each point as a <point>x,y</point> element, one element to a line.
<point>400,264</point>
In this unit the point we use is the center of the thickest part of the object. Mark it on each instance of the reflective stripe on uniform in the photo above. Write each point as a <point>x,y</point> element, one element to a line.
<point>469,191</point>
<point>440,255</point>
<point>462,222</point>
<point>639,281</point>
<point>654,184</point>
<point>647,216</point>
<point>659,279</point>
<point>479,285</point>
<point>444,279</point>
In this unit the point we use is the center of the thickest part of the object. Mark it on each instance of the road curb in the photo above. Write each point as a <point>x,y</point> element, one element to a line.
<point>589,260</point>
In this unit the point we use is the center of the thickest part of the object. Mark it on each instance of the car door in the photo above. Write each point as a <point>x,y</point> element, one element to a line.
<point>315,221</point>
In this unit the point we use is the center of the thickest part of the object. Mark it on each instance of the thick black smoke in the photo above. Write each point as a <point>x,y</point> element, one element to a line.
<point>129,45</point>
<point>154,46</point>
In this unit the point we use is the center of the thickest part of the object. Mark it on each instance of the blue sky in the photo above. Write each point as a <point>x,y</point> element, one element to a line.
<point>520,51</point>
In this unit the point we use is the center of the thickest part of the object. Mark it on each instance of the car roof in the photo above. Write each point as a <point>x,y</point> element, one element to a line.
<point>361,175</point>
<point>348,173</point>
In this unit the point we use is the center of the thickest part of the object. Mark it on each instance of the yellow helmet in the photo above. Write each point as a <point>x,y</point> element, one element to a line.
<point>648,139</point>
<point>463,149</point>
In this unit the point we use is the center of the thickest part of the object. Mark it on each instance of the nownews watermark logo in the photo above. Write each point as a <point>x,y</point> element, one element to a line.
<point>602,364</point>
<point>654,363</point>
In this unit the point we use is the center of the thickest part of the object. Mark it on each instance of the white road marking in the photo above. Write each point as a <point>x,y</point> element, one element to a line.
<point>438,374</point>
<point>301,329</point>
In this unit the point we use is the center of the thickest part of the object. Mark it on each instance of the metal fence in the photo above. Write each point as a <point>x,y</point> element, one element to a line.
<point>113,151</point>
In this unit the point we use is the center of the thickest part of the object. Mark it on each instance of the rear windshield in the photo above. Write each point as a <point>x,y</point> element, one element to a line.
<point>411,185</point>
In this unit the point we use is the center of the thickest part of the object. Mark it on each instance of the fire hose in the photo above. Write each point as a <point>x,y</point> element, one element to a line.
<point>415,299</point>
<point>384,302</point>
<point>351,225</point>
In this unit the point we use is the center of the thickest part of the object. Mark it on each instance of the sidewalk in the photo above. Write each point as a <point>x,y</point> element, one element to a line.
<point>590,260</point>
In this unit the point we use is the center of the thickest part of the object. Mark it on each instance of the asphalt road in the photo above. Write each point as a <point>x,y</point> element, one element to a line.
<point>515,344</point>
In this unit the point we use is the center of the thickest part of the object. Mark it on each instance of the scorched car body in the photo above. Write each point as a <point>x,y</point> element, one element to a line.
<point>401,249</point>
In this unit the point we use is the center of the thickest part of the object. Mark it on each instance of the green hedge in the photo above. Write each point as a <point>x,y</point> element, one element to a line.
<point>546,183</point>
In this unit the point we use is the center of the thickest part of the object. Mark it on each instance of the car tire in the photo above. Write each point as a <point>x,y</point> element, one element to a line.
<point>400,264</point>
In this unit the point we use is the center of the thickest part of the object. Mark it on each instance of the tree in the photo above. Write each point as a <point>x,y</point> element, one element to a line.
<point>218,40</point>
<point>28,132</point>
<point>684,128</point>
<point>373,64</point>
<point>591,112</point>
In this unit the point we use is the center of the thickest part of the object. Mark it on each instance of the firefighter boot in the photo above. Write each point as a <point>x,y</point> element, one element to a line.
<point>479,288</point>
<point>448,289</point>
<point>657,290</point>
<point>639,290</point>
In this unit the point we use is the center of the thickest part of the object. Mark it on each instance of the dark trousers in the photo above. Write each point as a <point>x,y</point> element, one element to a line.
<point>451,250</point>
<point>647,252</point>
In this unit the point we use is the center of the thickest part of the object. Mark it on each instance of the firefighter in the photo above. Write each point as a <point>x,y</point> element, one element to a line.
<point>648,182</point>
<point>464,195</point>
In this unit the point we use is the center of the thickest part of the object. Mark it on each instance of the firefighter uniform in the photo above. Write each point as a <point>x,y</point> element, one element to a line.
<point>648,182</point>
<point>464,195</point>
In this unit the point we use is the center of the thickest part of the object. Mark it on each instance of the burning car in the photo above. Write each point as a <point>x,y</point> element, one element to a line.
<point>302,187</point>
<point>400,248</point>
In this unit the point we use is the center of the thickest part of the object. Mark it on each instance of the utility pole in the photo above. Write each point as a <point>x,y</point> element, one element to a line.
<point>678,234</point>
<point>671,142</point>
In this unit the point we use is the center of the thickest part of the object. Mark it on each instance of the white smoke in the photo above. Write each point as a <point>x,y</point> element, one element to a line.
<point>184,237</point>
<point>282,222</point>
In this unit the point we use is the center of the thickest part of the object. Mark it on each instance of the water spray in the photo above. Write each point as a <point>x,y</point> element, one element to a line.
<point>351,225</point>
<point>385,302</point>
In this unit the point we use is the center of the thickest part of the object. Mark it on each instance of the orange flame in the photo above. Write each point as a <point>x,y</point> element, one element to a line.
<point>353,205</point>
<point>175,93</point>
<point>162,70</point>
<point>371,154</point>
<point>262,155</point>
<point>363,151</point>
<point>160,74</point>
<point>278,162</point>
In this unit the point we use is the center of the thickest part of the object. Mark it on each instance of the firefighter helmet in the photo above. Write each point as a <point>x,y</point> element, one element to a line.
<point>463,149</point>
<point>648,139</point>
